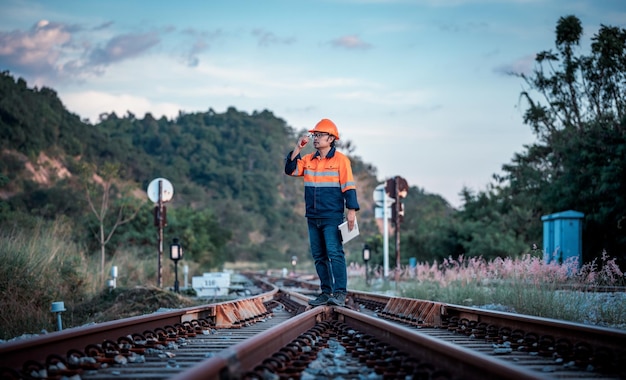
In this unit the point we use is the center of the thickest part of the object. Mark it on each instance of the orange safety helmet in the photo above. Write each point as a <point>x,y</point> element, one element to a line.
<point>326,125</point>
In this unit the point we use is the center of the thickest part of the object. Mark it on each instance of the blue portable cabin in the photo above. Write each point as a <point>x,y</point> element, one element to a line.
<point>562,236</point>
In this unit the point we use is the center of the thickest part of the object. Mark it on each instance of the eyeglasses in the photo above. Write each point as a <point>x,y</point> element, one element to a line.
<point>318,135</point>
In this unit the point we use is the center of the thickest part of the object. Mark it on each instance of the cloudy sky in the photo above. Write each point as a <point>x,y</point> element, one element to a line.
<point>420,87</point>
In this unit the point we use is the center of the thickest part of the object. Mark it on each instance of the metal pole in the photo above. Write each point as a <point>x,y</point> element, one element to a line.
<point>397,223</point>
<point>58,308</point>
<point>176,276</point>
<point>160,237</point>
<point>385,237</point>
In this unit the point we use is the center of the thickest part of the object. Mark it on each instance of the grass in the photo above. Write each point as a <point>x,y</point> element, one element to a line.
<point>43,265</point>
<point>524,285</point>
<point>38,268</point>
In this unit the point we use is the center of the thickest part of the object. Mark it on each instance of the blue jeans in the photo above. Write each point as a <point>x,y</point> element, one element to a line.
<point>328,255</point>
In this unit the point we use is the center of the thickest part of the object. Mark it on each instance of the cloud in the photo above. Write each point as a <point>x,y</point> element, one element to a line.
<point>191,58</point>
<point>103,26</point>
<point>123,47</point>
<point>266,38</point>
<point>201,42</point>
<point>36,51</point>
<point>467,27</point>
<point>350,42</point>
<point>92,104</point>
<point>51,52</point>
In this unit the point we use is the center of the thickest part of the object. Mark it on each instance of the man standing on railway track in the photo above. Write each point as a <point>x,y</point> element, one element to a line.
<point>329,189</point>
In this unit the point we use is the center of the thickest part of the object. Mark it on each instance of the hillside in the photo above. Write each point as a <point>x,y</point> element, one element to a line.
<point>231,196</point>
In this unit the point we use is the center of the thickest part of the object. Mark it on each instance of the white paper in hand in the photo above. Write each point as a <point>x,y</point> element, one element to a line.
<point>346,235</point>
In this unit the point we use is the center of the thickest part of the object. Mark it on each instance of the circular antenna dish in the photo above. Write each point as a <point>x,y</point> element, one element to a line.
<point>167,190</point>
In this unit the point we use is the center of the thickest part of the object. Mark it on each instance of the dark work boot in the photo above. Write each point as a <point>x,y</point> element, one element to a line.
<point>322,299</point>
<point>338,299</point>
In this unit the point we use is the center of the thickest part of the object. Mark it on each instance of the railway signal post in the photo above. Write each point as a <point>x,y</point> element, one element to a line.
<point>397,188</point>
<point>160,191</point>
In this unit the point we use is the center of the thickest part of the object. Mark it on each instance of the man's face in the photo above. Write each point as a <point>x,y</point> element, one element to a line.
<point>322,140</point>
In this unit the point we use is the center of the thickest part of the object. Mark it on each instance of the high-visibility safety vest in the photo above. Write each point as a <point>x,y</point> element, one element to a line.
<point>329,186</point>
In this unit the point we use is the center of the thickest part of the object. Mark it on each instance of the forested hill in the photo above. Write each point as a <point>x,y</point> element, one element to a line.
<point>231,197</point>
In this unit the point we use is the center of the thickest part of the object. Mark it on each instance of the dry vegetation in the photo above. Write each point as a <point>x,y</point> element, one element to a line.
<point>129,302</point>
<point>44,266</point>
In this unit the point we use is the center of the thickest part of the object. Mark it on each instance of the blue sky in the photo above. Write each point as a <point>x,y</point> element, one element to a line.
<point>420,87</point>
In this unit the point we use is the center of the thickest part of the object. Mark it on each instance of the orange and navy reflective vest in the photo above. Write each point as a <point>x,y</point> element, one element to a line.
<point>329,186</point>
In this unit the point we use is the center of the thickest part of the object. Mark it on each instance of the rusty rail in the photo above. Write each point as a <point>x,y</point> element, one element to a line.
<point>458,362</point>
<point>224,315</point>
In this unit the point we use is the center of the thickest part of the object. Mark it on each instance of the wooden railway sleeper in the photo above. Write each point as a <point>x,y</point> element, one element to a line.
<point>201,326</point>
<point>480,330</point>
<point>95,351</point>
<point>604,360</point>
<point>10,374</point>
<point>530,342</point>
<point>564,349</point>
<point>79,359</point>
<point>151,339</point>
<point>452,323</point>
<point>57,366</point>
<point>470,326</point>
<point>462,325</point>
<point>189,329</point>
<point>110,348</point>
<point>128,343</point>
<point>32,369</point>
<point>544,345</point>
<point>164,336</point>
<point>582,354</point>
<point>504,334</point>
<point>517,338</point>
<point>492,333</point>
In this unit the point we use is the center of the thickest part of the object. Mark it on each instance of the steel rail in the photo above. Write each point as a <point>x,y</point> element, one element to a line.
<point>596,336</point>
<point>233,362</point>
<point>460,362</point>
<point>230,314</point>
<point>412,312</point>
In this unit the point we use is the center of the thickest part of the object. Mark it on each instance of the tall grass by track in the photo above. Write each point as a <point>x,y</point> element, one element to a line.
<point>43,265</point>
<point>525,285</point>
<point>39,267</point>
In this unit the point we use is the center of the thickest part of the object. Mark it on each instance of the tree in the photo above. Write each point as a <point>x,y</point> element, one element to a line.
<point>429,232</point>
<point>577,109</point>
<point>494,224</point>
<point>112,202</point>
<point>576,106</point>
<point>201,235</point>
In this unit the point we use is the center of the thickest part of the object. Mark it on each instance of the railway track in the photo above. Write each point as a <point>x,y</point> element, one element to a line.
<point>275,334</point>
